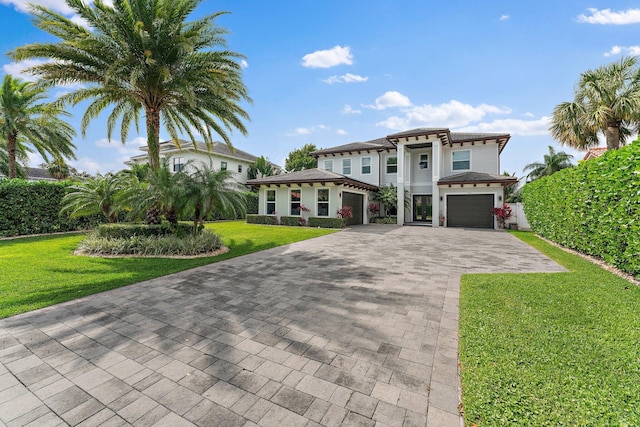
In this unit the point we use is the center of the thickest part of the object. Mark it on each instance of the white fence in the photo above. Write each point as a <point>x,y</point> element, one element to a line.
<point>517,217</point>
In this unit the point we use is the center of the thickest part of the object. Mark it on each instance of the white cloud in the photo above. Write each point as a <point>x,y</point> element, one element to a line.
<point>17,69</point>
<point>451,114</point>
<point>308,130</point>
<point>346,78</point>
<point>342,132</point>
<point>34,159</point>
<point>348,110</point>
<point>609,17</point>
<point>23,5</point>
<point>244,64</point>
<point>528,114</point>
<point>390,99</point>
<point>93,167</point>
<point>629,50</point>
<point>512,126</point>
<point>503,17</point>
<point>328,58</point>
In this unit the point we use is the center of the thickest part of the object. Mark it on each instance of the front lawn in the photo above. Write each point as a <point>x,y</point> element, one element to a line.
<point>550,348</point>
<point>40,271</point>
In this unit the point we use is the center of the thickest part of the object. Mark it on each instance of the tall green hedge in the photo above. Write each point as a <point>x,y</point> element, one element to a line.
<point>32,208</point>
<point>593,208</point>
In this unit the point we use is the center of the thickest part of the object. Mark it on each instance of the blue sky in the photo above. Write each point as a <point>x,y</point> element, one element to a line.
<point>335,72</point>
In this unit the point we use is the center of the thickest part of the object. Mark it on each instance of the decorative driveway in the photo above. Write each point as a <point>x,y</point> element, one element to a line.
<point>357,328</point>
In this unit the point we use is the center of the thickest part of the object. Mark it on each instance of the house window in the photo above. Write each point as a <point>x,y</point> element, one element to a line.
<point>178,164</point>
<point>223,166</point>
<point>366,165</point>
<point>392,165</point>
<point>424,161</point>
<point>461,160</point>
<point>239,168</point>
<point>323,202</point>
<point>271,202</point>
<point>295,201</point>
<point>328,165</point>
<point>346,166</point>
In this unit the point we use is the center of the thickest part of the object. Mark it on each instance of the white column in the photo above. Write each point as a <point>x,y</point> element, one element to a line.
<point>436,153</point>
<point>400,182</point>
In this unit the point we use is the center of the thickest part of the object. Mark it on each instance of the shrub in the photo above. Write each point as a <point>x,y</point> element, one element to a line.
<point>384,220</point>
<point>326,222</point>
<point>151,245</point>
<point>123,231</point>
<point>33,207</point>
<point>593,208</point>
<point>290,220</point>
<point>262,219</point>
<point>252,202</point>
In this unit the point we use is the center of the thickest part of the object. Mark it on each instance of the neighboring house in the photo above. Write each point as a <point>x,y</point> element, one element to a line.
<point>594,153</point>
<point>219,157</point>
<point>37,174</point>
<point>451,178</point>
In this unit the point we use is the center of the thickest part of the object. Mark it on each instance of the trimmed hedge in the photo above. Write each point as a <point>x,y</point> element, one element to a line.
<point>384,220</point>
<point>124,231</point>
<point>326,222</point>
<point>262,219</point>
<point>32,208</point>
<point>593,208</point>
<point>290,220</point>
<point>252,202</point>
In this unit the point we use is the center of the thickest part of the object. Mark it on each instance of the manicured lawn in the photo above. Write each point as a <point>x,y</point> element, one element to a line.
<point>40,271</point>
<point>550,349</point>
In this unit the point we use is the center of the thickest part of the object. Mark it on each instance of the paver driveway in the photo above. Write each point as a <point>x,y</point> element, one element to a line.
<point>355,328</point>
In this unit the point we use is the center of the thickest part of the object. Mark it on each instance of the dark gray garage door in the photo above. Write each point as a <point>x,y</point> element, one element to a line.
<point>355,201</point>
<point>473,211</point>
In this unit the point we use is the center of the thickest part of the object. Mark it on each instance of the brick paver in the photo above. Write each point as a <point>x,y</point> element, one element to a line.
<point>355,328</point>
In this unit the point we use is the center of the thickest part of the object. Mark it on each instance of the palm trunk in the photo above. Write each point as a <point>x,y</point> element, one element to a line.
<point>613,135</point>
<point>153,137</point>
<point>12,141</point>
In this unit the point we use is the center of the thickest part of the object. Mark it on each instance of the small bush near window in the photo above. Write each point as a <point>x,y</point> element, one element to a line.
<point>290,220</point>
<point>384,220</point>
<point>262,219</point>
<point>326,222</point>
<point>123,231</point>
<point>171,245</point>
<point>252,202</point>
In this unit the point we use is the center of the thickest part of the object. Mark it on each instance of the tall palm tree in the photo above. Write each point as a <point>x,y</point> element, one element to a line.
<point>27,121</point>
<point>22,160</point>
<point>208,190</point>
<point>143,56</point>
<point>607,100</point>
<point>96,195</point>
<point>553,162</point>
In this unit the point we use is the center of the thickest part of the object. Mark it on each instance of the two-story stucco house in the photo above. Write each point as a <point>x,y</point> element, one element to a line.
<point>451,178</point>
<point>219,157</point>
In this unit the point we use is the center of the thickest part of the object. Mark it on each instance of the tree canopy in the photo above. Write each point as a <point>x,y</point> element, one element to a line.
<point>607,100</point>
<point>300,159</point>
<point>143,56</point>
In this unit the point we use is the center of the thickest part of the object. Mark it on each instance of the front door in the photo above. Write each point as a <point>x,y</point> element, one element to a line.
<point>422,208</point>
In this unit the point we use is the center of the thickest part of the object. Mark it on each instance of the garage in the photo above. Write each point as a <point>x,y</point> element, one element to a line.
<point>470,210</point>
<point>355,201</point>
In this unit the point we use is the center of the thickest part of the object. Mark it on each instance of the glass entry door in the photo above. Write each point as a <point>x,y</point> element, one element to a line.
<point>422,208</point>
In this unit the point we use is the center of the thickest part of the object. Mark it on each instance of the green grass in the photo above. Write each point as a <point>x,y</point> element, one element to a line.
<point>550,348</point>
<point>40,271</point>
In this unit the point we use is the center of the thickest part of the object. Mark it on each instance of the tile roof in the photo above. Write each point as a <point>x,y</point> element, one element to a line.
<point>594,153</point>
<point>310,176</point>
<point>217,147</point>
<point>38,173</point>
<point>379,144</point>
<point>477,178</point>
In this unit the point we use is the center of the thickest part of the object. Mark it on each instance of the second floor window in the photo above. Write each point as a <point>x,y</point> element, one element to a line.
<point>366,165</point>
<point>328,165</point>
<point>178,164</point>
<point>223,166</point>
<point>461,160</point>
<point>392,165</point>
<point>424,161</point>
<point>239,168</point>
<point>346,166</point>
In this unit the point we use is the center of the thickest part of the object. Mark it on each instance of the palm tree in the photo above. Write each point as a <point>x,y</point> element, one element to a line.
<point>95,195</point>
<point>260,168</point>
<point>607,100</point>
<point>388,197</point>
<point>25,120</point>
<point>142,56</point>
<point>209,190</point>
<point>553,162</point>
<point>59,169</point>
<point>21,160</point>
